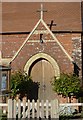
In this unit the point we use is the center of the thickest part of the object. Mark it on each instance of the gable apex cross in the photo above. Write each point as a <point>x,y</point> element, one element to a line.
<point>50,32</point>
<point>41,11</point>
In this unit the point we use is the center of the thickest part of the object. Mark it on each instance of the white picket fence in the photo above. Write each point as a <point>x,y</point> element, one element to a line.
<point>33,109</point>
<point>39,109</point>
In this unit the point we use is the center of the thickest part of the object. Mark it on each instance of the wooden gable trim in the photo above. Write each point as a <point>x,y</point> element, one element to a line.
<point>42,21</point>
<point>25,41</point>
<point>63,49</point>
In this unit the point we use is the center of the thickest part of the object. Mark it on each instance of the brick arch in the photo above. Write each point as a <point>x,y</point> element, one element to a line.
<point>44,56</point>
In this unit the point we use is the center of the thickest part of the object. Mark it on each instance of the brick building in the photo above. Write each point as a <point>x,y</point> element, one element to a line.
<point>43,46</point>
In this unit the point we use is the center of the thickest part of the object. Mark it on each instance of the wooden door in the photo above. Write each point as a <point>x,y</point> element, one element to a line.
<point>42,71</point>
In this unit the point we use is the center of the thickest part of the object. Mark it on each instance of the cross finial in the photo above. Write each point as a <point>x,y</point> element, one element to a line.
<point>41,11</point>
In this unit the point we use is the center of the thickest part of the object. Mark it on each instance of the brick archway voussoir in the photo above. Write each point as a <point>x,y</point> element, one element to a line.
<point>45,56</point>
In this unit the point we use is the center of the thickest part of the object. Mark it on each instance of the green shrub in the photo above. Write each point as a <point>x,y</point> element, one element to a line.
<point>22,84</point>
<point>67,84</point>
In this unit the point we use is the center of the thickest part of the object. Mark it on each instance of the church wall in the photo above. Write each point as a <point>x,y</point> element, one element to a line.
<point>73,44</point>
<point>11,43</point>
<point>70,41</point>
<point>77,51</point>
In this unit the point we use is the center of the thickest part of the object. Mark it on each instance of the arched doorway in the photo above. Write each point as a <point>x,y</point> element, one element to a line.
<point>42,69</point>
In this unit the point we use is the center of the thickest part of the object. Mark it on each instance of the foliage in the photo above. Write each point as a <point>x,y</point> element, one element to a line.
<point>70,117</point>
<point>66,84</point>
<point>23,84</point>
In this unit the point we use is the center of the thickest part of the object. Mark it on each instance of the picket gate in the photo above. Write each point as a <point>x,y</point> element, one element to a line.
<point>38,109</point>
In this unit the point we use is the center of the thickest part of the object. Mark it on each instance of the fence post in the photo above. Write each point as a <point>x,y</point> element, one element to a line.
<point>14,108</point>
<point>38,110</point>
<point>47,108</point>
<point>28,110</point>
<point>33,108</point>
<point>42,109</point>
<point>55,108</point>
<point>24,107</point>
<point>19,108</point>
<point>9,108</point>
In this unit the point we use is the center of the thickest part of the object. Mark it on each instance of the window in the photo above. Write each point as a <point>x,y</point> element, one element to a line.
<point>4,82</point>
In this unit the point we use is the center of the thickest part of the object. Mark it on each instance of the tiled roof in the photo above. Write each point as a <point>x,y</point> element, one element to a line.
<point>22,16</point>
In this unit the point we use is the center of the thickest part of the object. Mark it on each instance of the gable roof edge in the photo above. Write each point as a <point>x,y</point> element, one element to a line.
<point>25,41</point>
<point>63,49</point>
<point>42,21</point>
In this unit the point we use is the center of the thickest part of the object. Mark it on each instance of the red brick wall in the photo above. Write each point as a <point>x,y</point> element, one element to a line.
<point>11,43</point>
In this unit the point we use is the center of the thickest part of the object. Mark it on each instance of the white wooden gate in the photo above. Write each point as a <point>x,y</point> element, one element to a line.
<point>39,109</point>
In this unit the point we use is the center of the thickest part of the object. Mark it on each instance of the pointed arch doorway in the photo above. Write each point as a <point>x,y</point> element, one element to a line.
<point>42,68</point>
